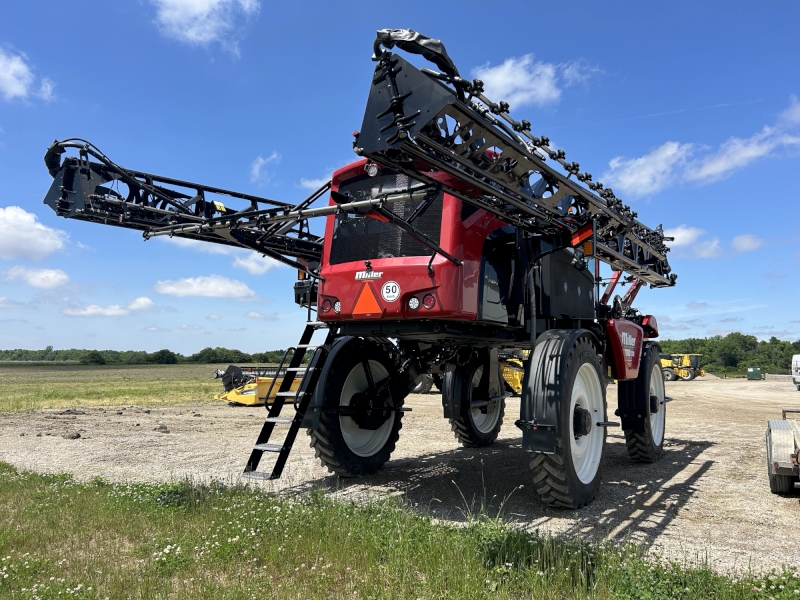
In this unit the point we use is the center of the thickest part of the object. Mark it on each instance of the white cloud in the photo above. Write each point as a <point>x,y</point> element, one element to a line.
<point>157,329</point>
<point>747,242</point>
<point>697,304</point>
<point>205,22</point>
<point>257,171</point>
<point>214,317</point>
<point>140,304</point>
<point>522,80</point>
<point>211,286</point>
<point>683,234</point>
<point>791,116</point>
<point>8,303</point>
<point>17,80</point>
<point>254,315</point>
<point>188,327</point>
<point>673,162</point>
<point>650,173</point>
<point>736,153</point>
<point>40,278</point>
<point>16,77</point>
<point>255,263</point>
<point>707,249</point>
<point>314,184</point>
<point>23,236</point>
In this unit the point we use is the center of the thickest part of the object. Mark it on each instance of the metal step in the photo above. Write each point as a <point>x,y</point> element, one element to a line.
<point>287,394</point>
<point>307,346</point>
<point>297,369</point>
<point>279,419</point>
<point>258,475</point>
<point>318,324</point>
<point>268,447</point>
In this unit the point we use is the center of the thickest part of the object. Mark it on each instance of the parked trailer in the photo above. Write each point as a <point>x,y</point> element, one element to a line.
<point>456,235</point>
<point>783,452</point>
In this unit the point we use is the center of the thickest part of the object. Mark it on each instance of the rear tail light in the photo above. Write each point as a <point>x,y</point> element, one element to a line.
<point>428,301</point>
<point>326,306</point>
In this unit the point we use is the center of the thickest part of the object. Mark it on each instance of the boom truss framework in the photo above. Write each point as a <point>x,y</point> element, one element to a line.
<point>416,120</point>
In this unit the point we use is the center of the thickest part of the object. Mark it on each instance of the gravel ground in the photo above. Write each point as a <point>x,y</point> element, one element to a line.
<point>706,499</point>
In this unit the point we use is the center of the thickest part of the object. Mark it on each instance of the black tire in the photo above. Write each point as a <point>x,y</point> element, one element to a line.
<point>425,384</point>
<point>555,477</point>
<point>437,382</point>
<point>669,374</point>
<point>690,374</point>
<point>646,442</point>
<point>798,387</point>
<point>335,441</point>
<point>475,428</point>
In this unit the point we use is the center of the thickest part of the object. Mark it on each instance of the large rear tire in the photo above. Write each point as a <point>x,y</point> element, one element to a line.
<point>571,476</point>
<point>475,427</point>
<point>361,444</point>
<point>646,442</point>
<point>690,374</point>
<point>669,374</point>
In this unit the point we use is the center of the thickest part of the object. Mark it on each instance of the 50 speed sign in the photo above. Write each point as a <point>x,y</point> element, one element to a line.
<point>390,291</point>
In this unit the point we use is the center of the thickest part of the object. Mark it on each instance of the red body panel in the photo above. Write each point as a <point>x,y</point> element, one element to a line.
<point>626,346</point>
<point>455,287</point>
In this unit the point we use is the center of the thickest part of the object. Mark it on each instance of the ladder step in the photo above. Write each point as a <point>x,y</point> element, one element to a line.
<point>257,475</point>
<point>297,369</point>
<point>316,324</point>
<point>279,419</point>
<point>268,447</point>
<point>307,346</point>
<point>287,394</point>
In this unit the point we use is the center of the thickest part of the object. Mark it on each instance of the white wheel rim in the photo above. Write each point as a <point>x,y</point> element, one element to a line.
<point>657,419</point>
<point>485,422</point>
<point>363,442</point>
<point>587,449</point>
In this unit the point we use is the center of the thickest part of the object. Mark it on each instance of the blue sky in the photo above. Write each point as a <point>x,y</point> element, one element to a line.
<point>688,110</point>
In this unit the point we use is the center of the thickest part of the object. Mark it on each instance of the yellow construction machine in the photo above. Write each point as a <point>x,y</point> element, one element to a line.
<point>681,366</point>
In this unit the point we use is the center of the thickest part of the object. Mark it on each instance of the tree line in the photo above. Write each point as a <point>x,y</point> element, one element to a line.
<point>140,357</point>
<point>735,351</point>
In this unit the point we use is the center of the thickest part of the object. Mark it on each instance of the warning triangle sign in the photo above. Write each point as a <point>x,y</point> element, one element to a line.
<point>367,303</point>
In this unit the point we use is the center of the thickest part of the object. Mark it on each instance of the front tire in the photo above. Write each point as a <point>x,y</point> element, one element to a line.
<point>669,374</point>
<point>353,445</point>
<point>690,374</point>
<point>570,477</point>
<point>646,442</point>
<point>475,427</point>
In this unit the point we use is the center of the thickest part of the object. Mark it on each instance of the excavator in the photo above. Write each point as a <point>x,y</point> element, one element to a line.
<point>457,235</point>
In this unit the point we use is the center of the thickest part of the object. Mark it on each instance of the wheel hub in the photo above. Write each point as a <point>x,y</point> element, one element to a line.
<point>581,422</point>
<point>370,410</point>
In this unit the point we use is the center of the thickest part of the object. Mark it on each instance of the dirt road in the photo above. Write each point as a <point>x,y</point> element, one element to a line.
<point>707,498</point>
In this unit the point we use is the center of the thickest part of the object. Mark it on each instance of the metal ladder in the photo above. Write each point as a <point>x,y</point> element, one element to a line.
<point>299,401</point>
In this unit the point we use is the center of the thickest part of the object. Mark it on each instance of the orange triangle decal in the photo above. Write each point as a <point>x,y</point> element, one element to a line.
<point>367,303</point>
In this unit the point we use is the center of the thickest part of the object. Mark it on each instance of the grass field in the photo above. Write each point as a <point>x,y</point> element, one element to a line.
<point>30,386</point>
<point>63,539</point>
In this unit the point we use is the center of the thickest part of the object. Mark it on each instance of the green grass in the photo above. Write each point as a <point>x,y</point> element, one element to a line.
<point>31,386</point>
<point>64,539</point>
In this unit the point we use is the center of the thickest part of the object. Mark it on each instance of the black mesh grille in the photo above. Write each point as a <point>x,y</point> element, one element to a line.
<point>358,237</point>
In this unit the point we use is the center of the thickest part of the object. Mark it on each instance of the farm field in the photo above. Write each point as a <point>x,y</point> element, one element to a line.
<point>707,500</point>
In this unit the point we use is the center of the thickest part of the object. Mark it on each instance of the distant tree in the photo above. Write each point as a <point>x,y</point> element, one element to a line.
<point>93,357</point>
<point>164,357</point>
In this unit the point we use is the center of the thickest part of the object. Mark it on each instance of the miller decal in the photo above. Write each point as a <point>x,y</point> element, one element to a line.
<point>361,275</point>
<point>628,346</point>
